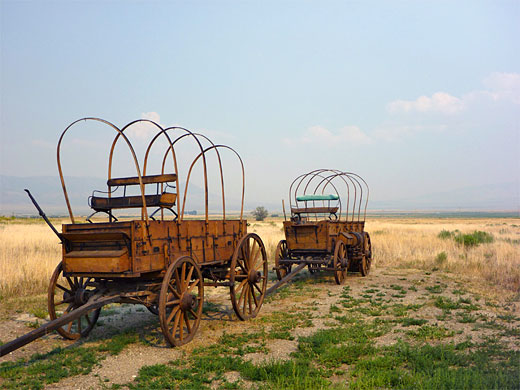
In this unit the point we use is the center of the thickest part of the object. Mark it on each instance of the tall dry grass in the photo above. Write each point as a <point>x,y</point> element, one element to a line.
<point>30,252</point>
<point>416,243</point>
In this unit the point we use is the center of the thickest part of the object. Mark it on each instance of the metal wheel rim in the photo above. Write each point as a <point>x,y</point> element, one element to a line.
<point>80,327</point>
<point>246,296</point>
<point>179,324</point>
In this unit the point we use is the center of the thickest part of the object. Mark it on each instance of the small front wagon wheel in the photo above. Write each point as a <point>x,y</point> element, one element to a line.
<point>340,262</point>
<point>281,253</point>
<point>180,301</point>
<point>248,276</point>
<point>366,261</point>
<point>66,294</point>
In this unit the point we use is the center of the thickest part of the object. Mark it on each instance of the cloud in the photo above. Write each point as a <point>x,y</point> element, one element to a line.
<point>492,107</point>
<point>441,102</point>
<point>319,135</point>
<point>497,81</point>
<point>145,129</point>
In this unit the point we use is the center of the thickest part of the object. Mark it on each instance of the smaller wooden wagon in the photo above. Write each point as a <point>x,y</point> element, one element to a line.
<point>326,227</point>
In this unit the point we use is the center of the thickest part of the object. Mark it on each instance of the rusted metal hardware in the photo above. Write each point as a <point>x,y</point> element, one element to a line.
<point>161,263</point>
<point>326,227</point>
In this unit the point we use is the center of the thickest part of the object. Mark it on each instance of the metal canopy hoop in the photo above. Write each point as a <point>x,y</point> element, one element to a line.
<point>317,181</point>
<point>170,150</point>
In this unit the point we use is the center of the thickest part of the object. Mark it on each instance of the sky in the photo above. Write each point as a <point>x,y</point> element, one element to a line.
<point>417,97</point>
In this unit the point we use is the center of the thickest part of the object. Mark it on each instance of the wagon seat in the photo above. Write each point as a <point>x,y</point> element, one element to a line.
<point>330,210</point>
<point>161,199</point>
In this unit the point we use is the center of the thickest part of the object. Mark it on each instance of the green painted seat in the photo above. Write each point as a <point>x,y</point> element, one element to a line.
<point>304,198</point>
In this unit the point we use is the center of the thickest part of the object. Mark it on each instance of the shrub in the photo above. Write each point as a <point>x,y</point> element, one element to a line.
<point>445,234</point>
<point>474,239</point>
<point>441,258</point>
<point>468,240</point>
<point>260,213</point>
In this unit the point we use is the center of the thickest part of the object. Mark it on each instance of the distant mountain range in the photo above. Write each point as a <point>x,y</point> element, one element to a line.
<point>47,191</point>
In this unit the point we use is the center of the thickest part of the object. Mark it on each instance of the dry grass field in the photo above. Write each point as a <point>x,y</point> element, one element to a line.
<point>29,252</point>
<point>439,310</point>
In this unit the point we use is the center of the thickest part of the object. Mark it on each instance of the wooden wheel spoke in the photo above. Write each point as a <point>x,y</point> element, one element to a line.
<point>188,326</point>
<point>242,294</point>
<point>245,294</point>
<point>69,327</point>
<point>183,276</point>
<point>177,280</point>
<point>188,278</point>
<point>170,317</point>
<point>258,288</point>
<point>174,291</point>
<point>259,265</point>
<point>88,320</point>
<point>79,325</point>
<point>241,285</point>
<point>254,296</point>
<point>193,314</point>
<point>174,302</point>
<point>63,288</point>
<point>181,326</point>
<point>249,293</point>
<point>71,305</point>
<point>252,254</point>
<point>242,264</point>
<point>71,283</point>
<point>175,322</point>
<point>191,286</point>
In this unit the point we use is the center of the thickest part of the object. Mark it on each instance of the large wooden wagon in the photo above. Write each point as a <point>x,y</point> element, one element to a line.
<point>326,226</point>
<point>163,263</point>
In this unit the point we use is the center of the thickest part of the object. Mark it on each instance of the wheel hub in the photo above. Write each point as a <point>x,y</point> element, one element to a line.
<point>344,263</point>
<point>187,302</point>
<point>254,276</point>
<point>81,296</point>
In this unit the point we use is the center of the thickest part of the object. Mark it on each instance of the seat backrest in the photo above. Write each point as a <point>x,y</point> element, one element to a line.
<point>151,179</point>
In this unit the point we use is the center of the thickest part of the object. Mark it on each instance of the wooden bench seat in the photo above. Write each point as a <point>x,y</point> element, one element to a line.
<point>123,202</point>
<point>314,210</point>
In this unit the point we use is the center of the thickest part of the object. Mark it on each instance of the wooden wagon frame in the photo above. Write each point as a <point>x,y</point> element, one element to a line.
<point>325,230</point>
<point>163,264</point>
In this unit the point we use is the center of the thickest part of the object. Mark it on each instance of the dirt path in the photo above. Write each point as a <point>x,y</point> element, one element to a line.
<point>312,301</point>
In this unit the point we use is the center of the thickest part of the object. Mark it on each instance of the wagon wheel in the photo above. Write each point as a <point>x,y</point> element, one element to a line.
<point>366,261</point>
<point>281,253</point>
<point>340,262</point>
<point>248,276</point>
<point>66,294</point>
<point>180,301</point>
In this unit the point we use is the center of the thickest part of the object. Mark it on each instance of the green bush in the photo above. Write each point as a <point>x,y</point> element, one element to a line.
<point>445,234</point>
<point>474,239</point>
<point>441,258</point>
<point>467,240</point>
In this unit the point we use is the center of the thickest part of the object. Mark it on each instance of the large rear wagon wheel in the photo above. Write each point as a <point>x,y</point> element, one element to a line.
<point>340,262</point>
<point>180,301</point>
<point>66,294</point>
<point>248,276</point>
<point>366,261</point>
<point>281,253</point>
